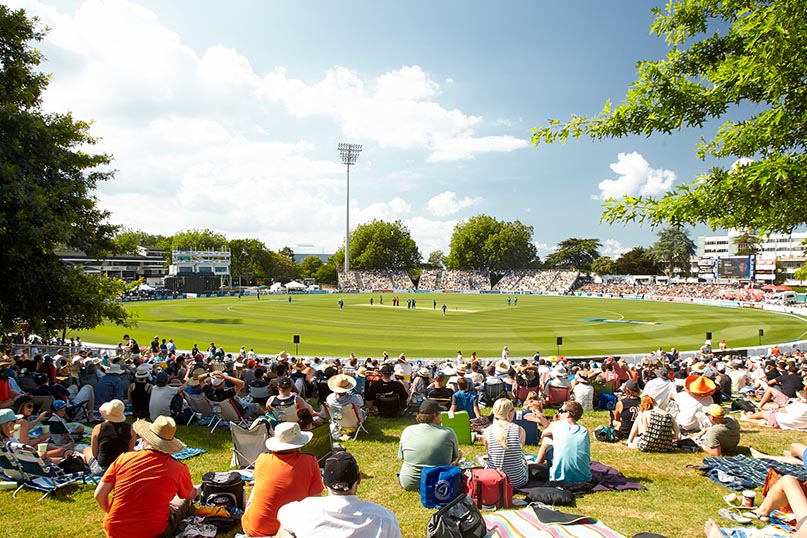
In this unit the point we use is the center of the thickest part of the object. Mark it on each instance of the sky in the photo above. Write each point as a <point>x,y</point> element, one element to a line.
<point>227,115</point>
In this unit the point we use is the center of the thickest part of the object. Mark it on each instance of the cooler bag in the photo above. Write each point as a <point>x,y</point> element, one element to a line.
<point>440,485</point>
<point>223,489</point>
<point>489,487</point>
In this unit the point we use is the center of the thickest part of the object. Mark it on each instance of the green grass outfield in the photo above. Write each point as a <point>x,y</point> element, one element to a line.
<point>481,323</point>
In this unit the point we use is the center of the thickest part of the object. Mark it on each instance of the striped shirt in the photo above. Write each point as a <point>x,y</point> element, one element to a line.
<point>510,461</point>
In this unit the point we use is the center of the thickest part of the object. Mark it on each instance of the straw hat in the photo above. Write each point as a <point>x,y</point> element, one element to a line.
<point>160,434</point>
<point>288,436</point>
<point>113,411</point>
<point>559,371</point>
<point>502,367</point>
<point>142,372</point>
<point>341,383</point>
<point>698,368</point>
<point>699,386</point>
<point>114,369</point>
<point>361,372</point>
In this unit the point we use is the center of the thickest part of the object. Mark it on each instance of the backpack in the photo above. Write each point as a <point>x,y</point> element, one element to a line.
<point>458,519</point>
<point>607,402</point>
<point>179,409</point>
<point>223,489</point>
<point>658,437</point>
<point>440,485</point>
<point>604,434</point>
<point>489,487</point>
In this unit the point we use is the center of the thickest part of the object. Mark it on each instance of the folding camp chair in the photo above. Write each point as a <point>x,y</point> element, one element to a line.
<point>42,402</point>
<point>41,476</point>
<point>200,405</point>
<point>9,466</point>
<point>388,405</point>
<point>227,411</point>
<point>555,396</point>
<point>248,443</point>
<point>321,445</point>
<point>346,419</point>
<point>444,403</point>
<point>460,422</point>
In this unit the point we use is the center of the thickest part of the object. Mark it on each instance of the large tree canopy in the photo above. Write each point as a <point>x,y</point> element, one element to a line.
<point>722,53</point>
<point>383,245</point>
<point>673,250</point>
<point>575,253</point>
<point>483,242</point>
<point>47,178</point>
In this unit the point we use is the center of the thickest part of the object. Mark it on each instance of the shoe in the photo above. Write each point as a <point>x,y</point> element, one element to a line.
<point>734,516</point>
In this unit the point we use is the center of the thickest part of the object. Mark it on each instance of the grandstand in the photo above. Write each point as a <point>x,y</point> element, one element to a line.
<point>549,281</point>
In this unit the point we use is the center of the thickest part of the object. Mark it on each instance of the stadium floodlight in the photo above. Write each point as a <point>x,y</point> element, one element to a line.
<point>349,153</point>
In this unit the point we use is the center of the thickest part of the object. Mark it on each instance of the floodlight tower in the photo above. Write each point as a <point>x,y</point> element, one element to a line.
<point>349,153</point>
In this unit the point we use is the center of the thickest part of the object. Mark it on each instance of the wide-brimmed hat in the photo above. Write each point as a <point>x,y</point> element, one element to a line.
<point>424,372</point>
<point>341,383</point>
<point>113,411</point>
<point>195,380</point>
<point>698,367</point>
<point>5,360</point>
<point>698,385</point>
<point>559,371</point>
<point>142,372</point>
<point>160,434</point>
<point>8,415</point>
<point>114,369</point>
<point>502,367</point>
<point>288,436</point>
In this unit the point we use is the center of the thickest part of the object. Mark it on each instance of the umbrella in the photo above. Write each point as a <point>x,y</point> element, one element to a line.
<point>783,288</point>
<point>146,287</point>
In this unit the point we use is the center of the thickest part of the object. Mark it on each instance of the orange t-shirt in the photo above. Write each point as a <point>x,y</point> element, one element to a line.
<point>145,482</point>
<point>280,478</point>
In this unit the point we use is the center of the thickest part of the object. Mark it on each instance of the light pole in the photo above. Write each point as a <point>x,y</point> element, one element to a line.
<point>349,153</point>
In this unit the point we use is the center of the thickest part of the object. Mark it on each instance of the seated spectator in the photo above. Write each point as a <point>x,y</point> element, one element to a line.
<point>660,388</point>
<point>783,388</point>
<point>425,444</point>
<point>161,396</point>
<point>492,387</point>
<point>60,431</point>
<point>566,447</point>
<point>794,454</point>
<point>342,395</point>
<point>218,391</point>
<point>139,393</point>
<point>627,409</point>
<point>282,476</point>
<point>386,386</point>
<point>285,404</point>
<point>438,392</point>
<point>341,514</point>
<point>110,439</point>
<point>465,399</point>
<point>653,435</point>
<point>533,402</point>
<point>109,387</point>
<point>150,474</point>
<point>305,419</point>
<point>696,396</point>
<point>30,425</point>
<point>504,442</point>
<point>259,387</point>
<point>582,390</point>
<point>558,377</point>
<point>723,434</point>
<point>791,417</point>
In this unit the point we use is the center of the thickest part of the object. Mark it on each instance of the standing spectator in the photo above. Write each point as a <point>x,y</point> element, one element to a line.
<point>150,474</point>
<point>341,514</point>
<point>425,444</point>
<point>281,476</point>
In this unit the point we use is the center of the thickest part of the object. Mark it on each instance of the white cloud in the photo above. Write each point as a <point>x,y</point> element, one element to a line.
<point>446,203</point>
<point>431,235</point>
<point>742,161</point>
<point>543,249</point>
<point>613,248</point>
<point>635,178</point>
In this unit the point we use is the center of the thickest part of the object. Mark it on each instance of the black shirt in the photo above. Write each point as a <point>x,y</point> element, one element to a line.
<point>790,384</point>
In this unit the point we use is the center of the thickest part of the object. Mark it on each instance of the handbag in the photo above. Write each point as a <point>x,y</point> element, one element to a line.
<point>458,519</point>
<point>72,464</point>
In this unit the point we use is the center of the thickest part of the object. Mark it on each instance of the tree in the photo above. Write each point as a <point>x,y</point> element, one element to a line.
<point>283,269</point>
<point>437,260</point>
<point>198,240</point>
<point>47,177</point>
<point>673,250</point>
<point>603,266</point>
<point>575,253</point>
<point>383,245</point>
<point>309,266</point>
<point>483,242</point>
<point>747,243</point>
<point>287,252</point>
<point>636,261</point>
<point>127,240</point>
<point>251,259</point>
<point>327,274</point>
<point>722,53</point>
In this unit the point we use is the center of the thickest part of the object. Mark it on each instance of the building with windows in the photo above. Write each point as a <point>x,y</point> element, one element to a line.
<point>148,264</point>
<point>198,271</point>
<point>785,251</point>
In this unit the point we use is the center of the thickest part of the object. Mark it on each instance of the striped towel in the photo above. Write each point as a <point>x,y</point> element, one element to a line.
<point>524,524</point>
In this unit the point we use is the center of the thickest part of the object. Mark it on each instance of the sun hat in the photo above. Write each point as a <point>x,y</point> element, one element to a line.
<point>582,375</point>
<point>699,386</point>
<point>698,368</point>
<point>58,405</point>
<point>250,363</point>
<point>661,373</point>
<point>113,411</point>
<point>502,367</point>
<point>715,410</point>
<point>288,436</point>
<point>142,372</point>
<point>559,371</point>
<point>216,381</point>
<point>341,471</point>
<point>114,369</point>
<point>8,415</point>
<point>341,383</point>
<point>361,372</point>
<point>424,372</point>
<point>160,434</point>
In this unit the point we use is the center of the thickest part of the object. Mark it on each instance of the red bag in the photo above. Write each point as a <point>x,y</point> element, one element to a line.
<point>489,487</point>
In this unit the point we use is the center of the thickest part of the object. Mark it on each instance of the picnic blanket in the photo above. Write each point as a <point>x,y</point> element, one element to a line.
<point>603,478</point>
<point>741,472</point>
<point>526,523</point>
<point>188,452</point>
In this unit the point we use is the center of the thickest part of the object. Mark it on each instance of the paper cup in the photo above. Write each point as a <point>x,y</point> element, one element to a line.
<point>748,498</point>
<point>42,448</point>
<point>45,429</point>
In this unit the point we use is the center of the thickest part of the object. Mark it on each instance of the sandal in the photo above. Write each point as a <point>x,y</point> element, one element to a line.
<point>757,515</point>
<point>733,515</point>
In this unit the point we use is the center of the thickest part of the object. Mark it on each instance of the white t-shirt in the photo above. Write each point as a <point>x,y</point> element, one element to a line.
<point>794,417</point>
<point>160,402</point>
<point>688,408</point>
<point>338,516</point>
<point>661,390</point>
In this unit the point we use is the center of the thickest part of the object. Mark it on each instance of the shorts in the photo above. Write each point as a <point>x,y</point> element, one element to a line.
<point>804,457</point>
<point>770,416</point>
<point>781,399</point>
<point>95,468</point>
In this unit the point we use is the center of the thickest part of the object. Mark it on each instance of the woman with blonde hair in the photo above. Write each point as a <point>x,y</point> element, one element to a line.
<point>504,441</point>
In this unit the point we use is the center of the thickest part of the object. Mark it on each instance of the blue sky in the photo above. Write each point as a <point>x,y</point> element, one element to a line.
<point>227,115</point>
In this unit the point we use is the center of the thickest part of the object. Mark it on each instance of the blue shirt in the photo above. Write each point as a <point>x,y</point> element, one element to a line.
<point>465,401</point>
<point>571,458</point>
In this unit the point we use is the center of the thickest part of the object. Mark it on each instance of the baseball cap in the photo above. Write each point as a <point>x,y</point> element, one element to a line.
<point>284,383</point>
<point>429,407</point>
<point>715,410</point>
<point>58,405</point>
<point>387,369</point>
<point>341,471</point>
